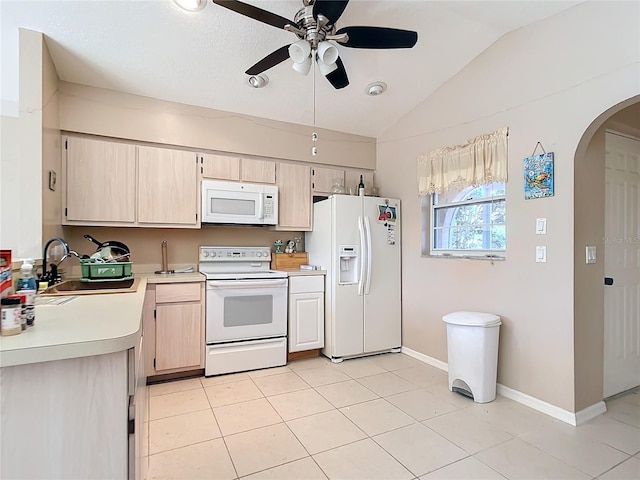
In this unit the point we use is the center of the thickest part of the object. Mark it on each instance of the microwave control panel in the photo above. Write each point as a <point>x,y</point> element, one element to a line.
<point>269,207</point>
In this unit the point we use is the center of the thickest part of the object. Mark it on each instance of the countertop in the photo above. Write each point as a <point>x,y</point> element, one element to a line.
<point>83,326</point>
<point>294,272</point>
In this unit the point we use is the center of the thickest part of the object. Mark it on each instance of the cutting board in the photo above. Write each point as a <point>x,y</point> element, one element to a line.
<point>287,261</point>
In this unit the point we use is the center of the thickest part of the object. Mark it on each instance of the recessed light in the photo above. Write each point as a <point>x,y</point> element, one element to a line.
<point>376,88</point>
<point>191,5</point>
<point>258,81</point>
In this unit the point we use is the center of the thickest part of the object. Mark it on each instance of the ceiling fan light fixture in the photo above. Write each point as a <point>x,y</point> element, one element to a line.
<point>303,67</point>
<point>299,51</point>
<point>376,88</point>
<point>258,81</point>
<point>191,5</point>
<point>327,52</point>
<point>326,68</point>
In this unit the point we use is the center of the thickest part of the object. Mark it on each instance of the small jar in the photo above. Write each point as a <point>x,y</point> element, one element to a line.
<point>11,316</point>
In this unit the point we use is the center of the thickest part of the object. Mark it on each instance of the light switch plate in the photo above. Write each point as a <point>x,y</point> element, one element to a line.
<point>541,254</point>
<point>591,254</point>
<point>541,226</point>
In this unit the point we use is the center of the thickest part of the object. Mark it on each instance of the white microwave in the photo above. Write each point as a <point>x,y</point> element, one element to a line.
<point>239,203</point>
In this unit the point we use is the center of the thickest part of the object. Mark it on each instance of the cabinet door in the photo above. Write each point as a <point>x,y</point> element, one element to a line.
<point>221,167</point>
<point>100,180</point>
<point>167,186</point>
<point>257,171</point>
<point>306,321</point>
<point>352,179</point>
<point>294,197</point>
<point>178,336</point>
<point>324,178</point>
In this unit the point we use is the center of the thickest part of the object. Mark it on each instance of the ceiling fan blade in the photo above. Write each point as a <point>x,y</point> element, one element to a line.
<point>255,13</point>
<point>338,78</point>
<point>271,60</point>
<point>332,9</point>
<point>378,37</point>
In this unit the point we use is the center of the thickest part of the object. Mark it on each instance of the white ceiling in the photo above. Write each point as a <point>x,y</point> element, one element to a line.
<point>153,48</point>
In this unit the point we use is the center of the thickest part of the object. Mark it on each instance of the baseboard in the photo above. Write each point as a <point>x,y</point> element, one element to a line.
<point>566,416</point>
<point>590,412</point>
<point>434,362</point>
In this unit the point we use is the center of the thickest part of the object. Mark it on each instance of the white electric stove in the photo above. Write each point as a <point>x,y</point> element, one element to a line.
<point>246,309</point>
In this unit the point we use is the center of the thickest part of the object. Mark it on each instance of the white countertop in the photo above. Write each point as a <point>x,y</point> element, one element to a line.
<point>293,272</point>
<point>86,325</point>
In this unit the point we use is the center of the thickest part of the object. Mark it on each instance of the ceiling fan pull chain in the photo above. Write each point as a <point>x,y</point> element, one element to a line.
<point>314,135</point>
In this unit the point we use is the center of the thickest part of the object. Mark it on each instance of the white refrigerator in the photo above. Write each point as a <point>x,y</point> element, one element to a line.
<point>356,239</point>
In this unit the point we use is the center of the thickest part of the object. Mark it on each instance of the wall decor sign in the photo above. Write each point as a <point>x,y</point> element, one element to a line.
<point>538,176</point>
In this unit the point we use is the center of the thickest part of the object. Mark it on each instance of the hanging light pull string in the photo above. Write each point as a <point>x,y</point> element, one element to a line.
<point>314,135</point>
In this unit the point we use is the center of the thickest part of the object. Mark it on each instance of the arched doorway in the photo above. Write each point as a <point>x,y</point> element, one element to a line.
<point>597,344</point>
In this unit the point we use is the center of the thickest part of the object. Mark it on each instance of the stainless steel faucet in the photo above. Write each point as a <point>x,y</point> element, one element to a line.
<point>52,276</point>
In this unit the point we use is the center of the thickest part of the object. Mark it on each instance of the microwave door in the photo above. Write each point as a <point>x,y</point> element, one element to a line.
<point>231,207</point>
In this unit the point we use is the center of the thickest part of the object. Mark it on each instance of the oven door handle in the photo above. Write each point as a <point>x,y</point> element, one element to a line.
<point>223,284</point>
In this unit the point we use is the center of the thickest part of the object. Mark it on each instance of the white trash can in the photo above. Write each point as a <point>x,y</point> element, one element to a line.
<point>472,348</point>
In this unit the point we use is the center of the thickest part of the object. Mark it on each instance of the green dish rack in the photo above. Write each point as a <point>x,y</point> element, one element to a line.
<point>93,271</point>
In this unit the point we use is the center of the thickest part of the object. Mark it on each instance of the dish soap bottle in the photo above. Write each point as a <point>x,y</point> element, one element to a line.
<point>361,187</point>
<point>27,286</point>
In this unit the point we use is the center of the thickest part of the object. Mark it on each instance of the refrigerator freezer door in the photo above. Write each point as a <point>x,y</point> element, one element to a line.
<point>347,322</point>
<point>382,303</point>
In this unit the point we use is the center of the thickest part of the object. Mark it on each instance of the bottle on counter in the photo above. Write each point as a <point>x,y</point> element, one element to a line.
<point>10,316</point>
<point>361,187</point>
<point>27,286</point>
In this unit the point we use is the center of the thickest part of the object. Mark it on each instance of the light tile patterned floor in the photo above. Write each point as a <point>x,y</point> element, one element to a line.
<point>382,417</point>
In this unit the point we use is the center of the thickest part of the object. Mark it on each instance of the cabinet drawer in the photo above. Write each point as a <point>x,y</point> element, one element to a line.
<point>177,292</point>
<point>306,284</point>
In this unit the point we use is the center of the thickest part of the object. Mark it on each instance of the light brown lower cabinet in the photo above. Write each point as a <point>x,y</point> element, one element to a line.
<point>174,327</point>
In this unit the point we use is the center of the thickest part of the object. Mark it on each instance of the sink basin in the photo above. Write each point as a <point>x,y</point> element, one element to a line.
<point>76,287</point>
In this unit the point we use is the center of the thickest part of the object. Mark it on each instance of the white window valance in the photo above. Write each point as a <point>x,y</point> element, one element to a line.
<point>482,160</point>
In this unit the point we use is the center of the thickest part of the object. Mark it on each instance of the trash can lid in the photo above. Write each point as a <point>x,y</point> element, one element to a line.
<point>475,319</point>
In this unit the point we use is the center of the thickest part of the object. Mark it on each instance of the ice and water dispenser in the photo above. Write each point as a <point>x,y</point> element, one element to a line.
<point>348,258</point>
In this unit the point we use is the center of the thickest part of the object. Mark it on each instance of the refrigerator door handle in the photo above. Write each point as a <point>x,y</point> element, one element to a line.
<point>367,229</point>
<point>362,256</point>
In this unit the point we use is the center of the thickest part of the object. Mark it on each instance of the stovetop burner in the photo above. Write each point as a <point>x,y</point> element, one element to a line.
<point>236,263</point>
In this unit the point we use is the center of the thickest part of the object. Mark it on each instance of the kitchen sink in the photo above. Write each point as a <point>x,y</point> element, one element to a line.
<point>76,287</point>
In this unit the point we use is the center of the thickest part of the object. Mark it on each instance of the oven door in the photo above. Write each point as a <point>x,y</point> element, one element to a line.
<point>246,309</point>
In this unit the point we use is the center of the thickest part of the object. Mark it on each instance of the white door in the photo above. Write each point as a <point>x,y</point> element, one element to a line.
<point>622,264</point>
<point>382,290</point>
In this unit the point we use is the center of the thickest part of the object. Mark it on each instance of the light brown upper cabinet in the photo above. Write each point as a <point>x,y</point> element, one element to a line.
<point>324,178</point>
<point>294,196</point>
<point>221,167</point>
<point>99,182</point>
<point>168,191</point>
<point>257,171</point>
<point>352,179</point>
<point>236,169</point>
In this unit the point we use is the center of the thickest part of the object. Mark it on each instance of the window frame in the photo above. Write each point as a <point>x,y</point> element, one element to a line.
<point>428,248</point>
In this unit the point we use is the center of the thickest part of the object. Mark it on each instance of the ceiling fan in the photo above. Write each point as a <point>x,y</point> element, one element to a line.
<point>315,27</point>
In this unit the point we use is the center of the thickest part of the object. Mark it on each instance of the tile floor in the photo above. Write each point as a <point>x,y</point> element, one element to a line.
<point>382,417</point>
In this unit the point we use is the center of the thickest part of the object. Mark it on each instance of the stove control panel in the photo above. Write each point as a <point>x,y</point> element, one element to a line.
<point>222,254</point>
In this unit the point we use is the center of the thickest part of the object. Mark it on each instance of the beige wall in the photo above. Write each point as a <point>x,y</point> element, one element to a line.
<point>115,114</point>
<point>51,160</point>
<point>546,82</point>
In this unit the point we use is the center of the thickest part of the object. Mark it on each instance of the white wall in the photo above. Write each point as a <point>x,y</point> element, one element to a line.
<point>21,137</point>
<point>546,82</point>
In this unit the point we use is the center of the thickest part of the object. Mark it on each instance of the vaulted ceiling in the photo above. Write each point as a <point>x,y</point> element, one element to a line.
<point>155,49</point>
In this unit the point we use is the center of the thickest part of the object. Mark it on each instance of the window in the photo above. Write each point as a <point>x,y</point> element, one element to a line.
<point>467,222</point>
